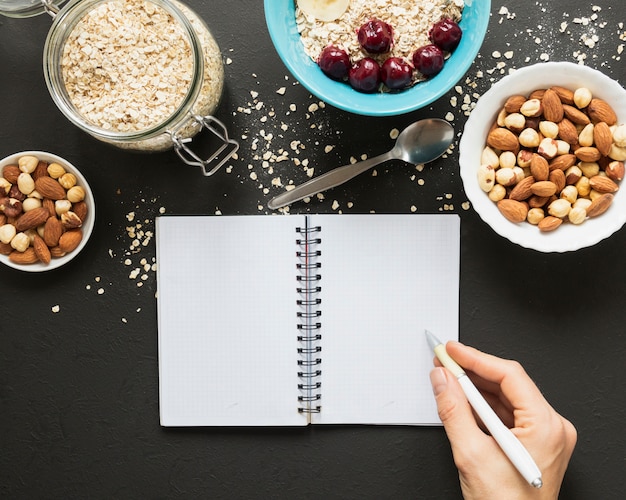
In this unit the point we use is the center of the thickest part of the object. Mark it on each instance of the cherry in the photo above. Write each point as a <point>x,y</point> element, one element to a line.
<point>428,60</point>
<point>364,75</point>
<point>445,34</point>
<point>376,36</point>
<point>396,73</point>
<point>334,62</point>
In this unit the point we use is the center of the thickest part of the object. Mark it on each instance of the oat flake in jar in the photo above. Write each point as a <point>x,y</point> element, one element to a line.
<point>142,75</point>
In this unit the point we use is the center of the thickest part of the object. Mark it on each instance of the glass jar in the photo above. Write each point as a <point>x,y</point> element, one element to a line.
<point>142,75</point>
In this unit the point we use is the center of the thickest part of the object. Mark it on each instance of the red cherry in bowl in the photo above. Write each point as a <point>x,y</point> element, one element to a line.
<point>376,36</point>
<point>445,34</point>
<point>396,73</point>
<point>334,62</point>
<point>428,60</point>
<point>364,75</point>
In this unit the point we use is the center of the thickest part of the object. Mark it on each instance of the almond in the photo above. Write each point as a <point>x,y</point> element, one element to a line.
<point>5,248</point>
<point>40,170</point>
<point>563,162</point>
<point>52,231</point>
<point>557,177</point>
<point>543,188</point>
<point>57,252</point>
<point>80,209</point>
<point>600,205</point>
<point>503,139</point>
<point>588,154</point>
<point>552,106</point>
<point>48,204</point>
<point>539,167</point>
<point>49,188</point>
<point>514,103</point>
<point>514,211</point>
<point>565,95</point>
<point>23,258</point>
<point>600,111</point>
<point>522,190</point>
<point>69,240</point>
<point>11,173</point>
<point>537,201</point>
<point>31,219</point>
<point>602,138</point>
<point>41,249</point>
<point>549,223</point>
<point>567,131</point>
<point>575,115</point>
<point>603,184</point>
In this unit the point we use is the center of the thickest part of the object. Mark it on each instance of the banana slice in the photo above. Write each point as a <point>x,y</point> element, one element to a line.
<point>324,10</point>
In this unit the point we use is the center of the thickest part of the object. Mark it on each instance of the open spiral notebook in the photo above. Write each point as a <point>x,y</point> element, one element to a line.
<point>300,319</point>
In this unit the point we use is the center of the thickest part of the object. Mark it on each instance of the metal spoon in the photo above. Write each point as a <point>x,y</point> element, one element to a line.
<point>421,142</point>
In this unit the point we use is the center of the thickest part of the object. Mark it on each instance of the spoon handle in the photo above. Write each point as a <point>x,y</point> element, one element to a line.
<point>328,180</point>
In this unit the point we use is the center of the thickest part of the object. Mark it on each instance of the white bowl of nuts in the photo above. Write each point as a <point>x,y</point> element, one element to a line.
<point>542,157</point>
<point>47,211</point>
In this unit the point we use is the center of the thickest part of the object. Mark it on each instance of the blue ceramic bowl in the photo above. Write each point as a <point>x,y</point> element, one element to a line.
<point>281,22</point>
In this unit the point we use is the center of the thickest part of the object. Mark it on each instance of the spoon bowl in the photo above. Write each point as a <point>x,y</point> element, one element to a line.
<point>421,142</point>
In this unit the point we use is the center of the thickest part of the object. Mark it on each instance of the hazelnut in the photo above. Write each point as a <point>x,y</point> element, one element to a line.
<point>549,129</point>
<point>5,185</point>
<point>27,163</point>
<point>529,138</point>
<point>524,157</point>
<point>615,170</point>
<point>7,232</point>
<point>11,207</point>
<point>62,206</point>
<point>55,170</point>
<point>619,136</point>
<point>67,180</point>
<point>20,242</point>
<point>582,97</point>
<point>25,183</point>
<point>489,157</point>
<point>535,215</point>
<point>516,122</point>
<point>559,208</point>
<point>531,108</point>
<point>548,148</point>
<point>30,203</point>
<point>70,220</point>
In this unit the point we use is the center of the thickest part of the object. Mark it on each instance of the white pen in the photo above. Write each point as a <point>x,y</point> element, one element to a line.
<point>510,445</point>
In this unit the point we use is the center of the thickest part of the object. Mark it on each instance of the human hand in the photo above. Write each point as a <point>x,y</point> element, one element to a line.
<point>484,470</point>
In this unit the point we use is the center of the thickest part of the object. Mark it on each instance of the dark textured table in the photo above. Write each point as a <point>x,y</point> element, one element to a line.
<point>78,345</point>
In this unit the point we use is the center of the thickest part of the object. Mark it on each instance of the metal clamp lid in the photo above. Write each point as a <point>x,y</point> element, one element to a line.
<point>212,164</point>
<point>29,8</point>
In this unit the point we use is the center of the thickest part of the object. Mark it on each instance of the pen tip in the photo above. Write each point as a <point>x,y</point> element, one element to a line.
<point>432,340</point>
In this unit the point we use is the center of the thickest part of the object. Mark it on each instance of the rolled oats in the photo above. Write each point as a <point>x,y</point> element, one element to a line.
<point>128,65</point>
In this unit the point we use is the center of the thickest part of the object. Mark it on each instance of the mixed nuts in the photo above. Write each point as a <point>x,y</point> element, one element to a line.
<point>552,156</point>
<point>42,209</point>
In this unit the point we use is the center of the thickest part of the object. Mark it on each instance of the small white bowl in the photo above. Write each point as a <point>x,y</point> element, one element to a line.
<point>567,237</point>
<point>87,225</point>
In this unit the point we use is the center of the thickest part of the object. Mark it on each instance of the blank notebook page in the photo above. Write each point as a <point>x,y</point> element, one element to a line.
<point>226,306</point>
<point>385,279</point>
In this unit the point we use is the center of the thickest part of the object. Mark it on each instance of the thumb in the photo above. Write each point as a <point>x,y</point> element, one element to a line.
<point>454,411</point>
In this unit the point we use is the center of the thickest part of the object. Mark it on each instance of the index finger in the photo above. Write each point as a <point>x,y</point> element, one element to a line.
<point>515,384</point>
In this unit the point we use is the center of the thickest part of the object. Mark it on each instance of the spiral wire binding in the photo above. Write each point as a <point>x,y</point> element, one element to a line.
<point>308,289</point>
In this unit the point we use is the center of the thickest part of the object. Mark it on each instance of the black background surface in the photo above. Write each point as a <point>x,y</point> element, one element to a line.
<point>79,387</point>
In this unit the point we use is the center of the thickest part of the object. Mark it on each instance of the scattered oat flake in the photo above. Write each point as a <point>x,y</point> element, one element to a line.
<point>56,309</point>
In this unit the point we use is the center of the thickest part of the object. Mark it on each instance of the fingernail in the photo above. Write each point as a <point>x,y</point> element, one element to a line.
<point>438,380</point>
